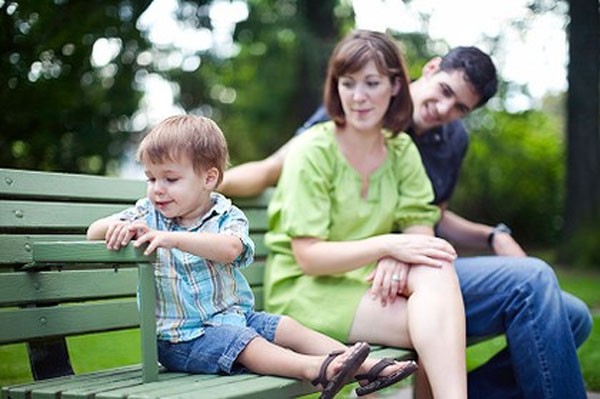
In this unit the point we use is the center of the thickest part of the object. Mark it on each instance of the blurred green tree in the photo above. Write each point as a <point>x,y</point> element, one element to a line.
<point>60,111</point>
<point>514,172</point>
<point>260,95</point>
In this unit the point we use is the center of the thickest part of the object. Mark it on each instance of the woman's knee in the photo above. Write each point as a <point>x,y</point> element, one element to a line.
<point>442,280</point>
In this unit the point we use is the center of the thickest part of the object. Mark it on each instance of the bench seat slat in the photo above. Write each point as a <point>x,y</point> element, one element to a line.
<point>264,387</point>
<point>54,386</point>
<point>91,388</point>
<point>241,386</point>
<point>165,379</point>
<point>196,383</point>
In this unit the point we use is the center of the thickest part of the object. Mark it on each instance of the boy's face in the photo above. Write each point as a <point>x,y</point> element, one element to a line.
<point>178,191</point>
<point>440,97</point>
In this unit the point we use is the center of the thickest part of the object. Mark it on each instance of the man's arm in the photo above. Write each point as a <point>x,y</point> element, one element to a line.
<point>252,178</point>
<point>466,234</point>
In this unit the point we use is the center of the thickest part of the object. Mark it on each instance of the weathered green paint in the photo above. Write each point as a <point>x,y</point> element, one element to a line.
<point>16,183</point>
<point>45,260</point>
<point>148,322</point>
<point>17,248</point>
<point>74,285</point>
<point>23,324</point>
<point>40,216</point>
<point>84,252</point>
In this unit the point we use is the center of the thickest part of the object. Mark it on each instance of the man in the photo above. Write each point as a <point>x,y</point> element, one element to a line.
<point>509,294</point>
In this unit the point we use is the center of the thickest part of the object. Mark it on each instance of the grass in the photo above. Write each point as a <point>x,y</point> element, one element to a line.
<point>101,351</point>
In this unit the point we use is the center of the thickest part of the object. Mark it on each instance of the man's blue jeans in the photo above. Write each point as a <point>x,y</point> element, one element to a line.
<point>521,298</point>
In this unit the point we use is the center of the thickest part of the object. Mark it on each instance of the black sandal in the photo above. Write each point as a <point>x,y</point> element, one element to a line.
<point>360,351</point>
<point>377,382</point>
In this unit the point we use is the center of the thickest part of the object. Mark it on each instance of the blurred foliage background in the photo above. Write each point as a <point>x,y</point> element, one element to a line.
<point>74,75</point>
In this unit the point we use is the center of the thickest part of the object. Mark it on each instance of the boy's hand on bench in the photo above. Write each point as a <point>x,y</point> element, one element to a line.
<point>120,232</point>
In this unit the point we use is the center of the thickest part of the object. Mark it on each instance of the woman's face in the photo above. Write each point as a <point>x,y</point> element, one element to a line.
<point>365,96</point>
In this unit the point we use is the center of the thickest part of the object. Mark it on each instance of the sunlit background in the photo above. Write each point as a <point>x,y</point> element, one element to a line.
<point>536,57</point>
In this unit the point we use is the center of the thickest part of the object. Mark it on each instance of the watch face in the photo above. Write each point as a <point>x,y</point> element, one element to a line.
<point>502,228</point>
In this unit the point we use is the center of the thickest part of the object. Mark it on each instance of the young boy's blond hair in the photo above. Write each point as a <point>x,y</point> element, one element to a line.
<point>197,138</point>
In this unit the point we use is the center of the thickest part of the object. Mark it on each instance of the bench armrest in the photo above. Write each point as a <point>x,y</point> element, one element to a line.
<point>95,252</point>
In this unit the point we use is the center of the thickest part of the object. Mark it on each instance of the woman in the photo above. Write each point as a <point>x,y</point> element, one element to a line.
<point>336,264</point>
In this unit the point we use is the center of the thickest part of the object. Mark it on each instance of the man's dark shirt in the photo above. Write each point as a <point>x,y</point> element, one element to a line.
<point>442,151</point>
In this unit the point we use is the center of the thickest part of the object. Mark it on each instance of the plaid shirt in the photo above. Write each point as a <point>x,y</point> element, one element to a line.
<point>193,292</point>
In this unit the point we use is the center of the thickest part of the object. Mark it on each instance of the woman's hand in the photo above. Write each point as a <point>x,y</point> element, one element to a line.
<point>420,249</point>
<point>388,280</point>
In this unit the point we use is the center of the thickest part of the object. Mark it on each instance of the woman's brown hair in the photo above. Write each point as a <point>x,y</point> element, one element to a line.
<point>354,52</point>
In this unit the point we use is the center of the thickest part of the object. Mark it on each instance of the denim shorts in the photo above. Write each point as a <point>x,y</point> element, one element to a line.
<point>216,350</point>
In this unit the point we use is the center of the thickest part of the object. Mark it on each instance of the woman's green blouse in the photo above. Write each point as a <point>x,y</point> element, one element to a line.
<point>319,195</point>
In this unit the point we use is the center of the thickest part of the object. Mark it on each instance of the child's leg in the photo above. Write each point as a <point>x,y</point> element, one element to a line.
<point>292,334</point>
<point>330,373</point>
<point>263,357</point>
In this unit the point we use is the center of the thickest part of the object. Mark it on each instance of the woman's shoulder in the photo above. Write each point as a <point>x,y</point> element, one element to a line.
<point>319,138</point>
<point>319,134</point>
<point>401,143</point>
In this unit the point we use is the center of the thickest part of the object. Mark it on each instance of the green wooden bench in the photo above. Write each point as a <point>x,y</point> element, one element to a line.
<point>54,284</point>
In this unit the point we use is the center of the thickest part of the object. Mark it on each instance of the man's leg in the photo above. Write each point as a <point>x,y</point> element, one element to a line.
<point>497,373</point>
<point>520,297</point>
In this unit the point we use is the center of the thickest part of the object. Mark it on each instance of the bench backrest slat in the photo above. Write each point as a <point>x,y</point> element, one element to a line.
<point>15,249</point>
<point>40,216</point>
<point>58,286</point>
<point>70,186</point>
<point>42,322</point>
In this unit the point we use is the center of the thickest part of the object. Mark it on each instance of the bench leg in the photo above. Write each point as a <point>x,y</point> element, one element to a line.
<point>49,358</point>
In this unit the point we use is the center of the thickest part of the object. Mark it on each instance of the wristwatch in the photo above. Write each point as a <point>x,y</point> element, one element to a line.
<point>499,228</point>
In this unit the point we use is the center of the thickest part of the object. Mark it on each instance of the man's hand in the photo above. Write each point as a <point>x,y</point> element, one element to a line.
<point>505,245</point>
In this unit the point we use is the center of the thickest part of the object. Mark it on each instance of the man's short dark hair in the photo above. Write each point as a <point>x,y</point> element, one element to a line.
<point>478,68</point>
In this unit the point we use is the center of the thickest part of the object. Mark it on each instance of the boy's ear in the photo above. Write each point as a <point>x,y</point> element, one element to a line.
<point>211,178</point>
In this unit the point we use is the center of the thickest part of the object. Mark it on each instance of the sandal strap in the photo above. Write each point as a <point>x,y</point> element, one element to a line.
<point>373,374</point>
<point>322,377</point>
